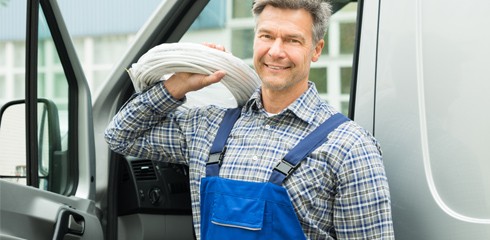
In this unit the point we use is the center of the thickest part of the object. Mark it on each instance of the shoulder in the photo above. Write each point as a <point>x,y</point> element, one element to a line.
<point>349,144</point>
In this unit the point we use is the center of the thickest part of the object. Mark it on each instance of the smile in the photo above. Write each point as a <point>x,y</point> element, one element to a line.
<point>276,67</point>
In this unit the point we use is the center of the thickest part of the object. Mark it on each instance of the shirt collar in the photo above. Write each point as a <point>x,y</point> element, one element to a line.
<point>304,107</point>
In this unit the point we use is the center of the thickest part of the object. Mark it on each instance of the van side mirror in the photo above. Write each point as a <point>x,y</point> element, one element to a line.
<point>13,142</point>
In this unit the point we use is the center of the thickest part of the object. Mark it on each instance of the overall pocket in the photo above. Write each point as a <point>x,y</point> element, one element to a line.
<point>235,217</point>
<point>238,212</point>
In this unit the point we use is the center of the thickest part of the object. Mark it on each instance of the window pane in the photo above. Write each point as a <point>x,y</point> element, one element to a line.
<point>60,86</point>
<point>242,43</point>
<point>319,77</point>
<point>12,140</point>
<point>325,50</point>
<point>345,79</point>
<point>41,83</point>
<point>347,37</point>
<point>41,55</point>
<point>344,107</point>
<point>12,63</point>
<point>19,86</point>
<point>242,8</point>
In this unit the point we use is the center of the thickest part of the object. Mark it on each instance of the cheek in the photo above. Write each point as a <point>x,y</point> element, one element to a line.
<point>259,49</point>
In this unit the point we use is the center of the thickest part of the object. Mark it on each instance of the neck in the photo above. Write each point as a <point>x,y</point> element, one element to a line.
<point>275,101</point>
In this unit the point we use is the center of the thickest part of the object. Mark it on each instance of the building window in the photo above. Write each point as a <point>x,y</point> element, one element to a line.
<point>242,42</point>
<point>345,79</point>
<point>242,9</point>
<point>347,35</point>
<point>319,77</point>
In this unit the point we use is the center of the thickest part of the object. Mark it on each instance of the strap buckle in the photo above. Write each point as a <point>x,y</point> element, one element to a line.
<point>216,158</point>
<point>285,167</point>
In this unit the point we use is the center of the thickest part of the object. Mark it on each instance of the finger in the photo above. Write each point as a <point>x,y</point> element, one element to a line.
<point>214,77</point>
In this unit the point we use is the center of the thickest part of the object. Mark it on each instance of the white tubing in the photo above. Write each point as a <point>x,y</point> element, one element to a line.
<point>241,80</point>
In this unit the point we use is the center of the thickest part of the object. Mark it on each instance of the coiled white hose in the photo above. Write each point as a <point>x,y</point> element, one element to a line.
<point>240,79</point>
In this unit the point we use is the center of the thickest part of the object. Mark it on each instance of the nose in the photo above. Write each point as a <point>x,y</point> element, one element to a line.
<point>276,49</point>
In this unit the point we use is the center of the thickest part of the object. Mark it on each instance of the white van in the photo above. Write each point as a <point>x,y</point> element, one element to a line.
<point>419,84</point>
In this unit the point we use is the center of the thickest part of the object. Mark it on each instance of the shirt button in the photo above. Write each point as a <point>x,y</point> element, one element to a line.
<point>255,158</point>
<point>267,127</point>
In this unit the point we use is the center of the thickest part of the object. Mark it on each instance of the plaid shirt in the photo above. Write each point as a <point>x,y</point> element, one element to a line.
<point>340,191</point>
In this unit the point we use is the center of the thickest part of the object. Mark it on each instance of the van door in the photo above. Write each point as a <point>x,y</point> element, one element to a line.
<point>46,137</point>
<point>422,88</point>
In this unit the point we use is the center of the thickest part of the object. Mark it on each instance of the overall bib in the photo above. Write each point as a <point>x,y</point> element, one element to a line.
<point>233,209</point>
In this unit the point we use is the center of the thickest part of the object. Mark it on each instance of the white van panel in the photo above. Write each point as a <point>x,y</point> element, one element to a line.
<point>431,117</point>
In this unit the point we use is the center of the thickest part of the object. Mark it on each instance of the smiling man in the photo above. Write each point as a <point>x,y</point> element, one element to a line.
<point>286,165</point>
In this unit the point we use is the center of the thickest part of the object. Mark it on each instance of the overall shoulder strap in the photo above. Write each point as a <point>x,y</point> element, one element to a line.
<point>312,141</point>
<point>218,148</point>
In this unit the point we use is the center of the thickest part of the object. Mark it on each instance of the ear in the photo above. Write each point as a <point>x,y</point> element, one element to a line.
<point>318,50</point>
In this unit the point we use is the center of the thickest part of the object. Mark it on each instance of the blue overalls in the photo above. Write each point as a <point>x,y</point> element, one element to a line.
<point>233,209</point>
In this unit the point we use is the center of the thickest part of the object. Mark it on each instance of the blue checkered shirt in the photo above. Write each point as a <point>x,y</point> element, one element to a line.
<point>340,191</point>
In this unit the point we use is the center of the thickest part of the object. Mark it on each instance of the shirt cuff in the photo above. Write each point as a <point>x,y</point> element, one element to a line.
<point>160,100</point>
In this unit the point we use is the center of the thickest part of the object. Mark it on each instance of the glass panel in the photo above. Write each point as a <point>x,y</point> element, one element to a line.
<point>347,37</point>
<point>41,84</point>
<point>19,86</point>
<point>41,55</point>
<point>12,142</point>
<point>60,87</point>
<point>242,43</point>
<point>326,50</point>
<point>12,68</point>
<point>344,107</point>
<point>319,77</point>
<point>345,80</point>
<point>242,9</point>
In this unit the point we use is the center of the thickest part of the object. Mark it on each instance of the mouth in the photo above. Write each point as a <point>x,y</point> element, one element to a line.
<point>274,67</point>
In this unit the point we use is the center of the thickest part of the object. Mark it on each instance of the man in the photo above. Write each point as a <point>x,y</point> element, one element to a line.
<point>338,191</point>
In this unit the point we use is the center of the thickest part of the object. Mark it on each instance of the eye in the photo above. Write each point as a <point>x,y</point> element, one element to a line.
<point>266,36</point>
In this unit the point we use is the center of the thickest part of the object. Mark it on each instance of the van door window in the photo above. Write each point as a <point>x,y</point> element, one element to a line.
<point>12,87</point>
<point>52,90</point>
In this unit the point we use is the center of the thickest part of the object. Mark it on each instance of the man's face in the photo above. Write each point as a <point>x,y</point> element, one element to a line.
<point>283,48</point>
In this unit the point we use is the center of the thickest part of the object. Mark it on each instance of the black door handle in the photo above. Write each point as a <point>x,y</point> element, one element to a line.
<point>68,223</point>
<point>76,226</point>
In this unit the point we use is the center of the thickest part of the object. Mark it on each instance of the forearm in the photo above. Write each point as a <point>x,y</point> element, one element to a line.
<point>133,127</point>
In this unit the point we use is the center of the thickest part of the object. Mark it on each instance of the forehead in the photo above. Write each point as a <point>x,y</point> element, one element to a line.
<point>286,19</point>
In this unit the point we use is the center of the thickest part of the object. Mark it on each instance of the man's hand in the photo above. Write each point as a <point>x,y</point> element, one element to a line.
<point>181,83</point>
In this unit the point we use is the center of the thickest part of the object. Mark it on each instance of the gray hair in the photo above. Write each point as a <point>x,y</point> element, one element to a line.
<point>319,10</point>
